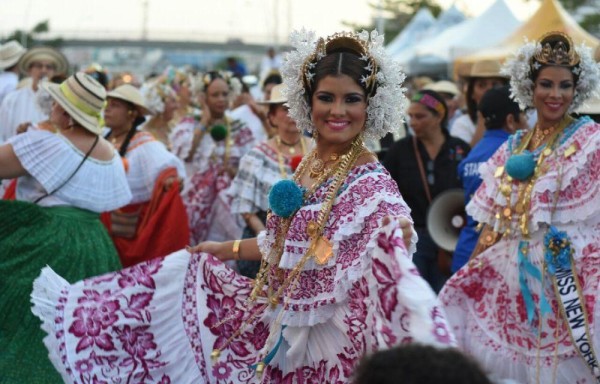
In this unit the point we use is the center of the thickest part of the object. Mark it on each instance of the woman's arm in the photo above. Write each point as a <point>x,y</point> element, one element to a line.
<point>247,250</point>
<point>253,222</point>
<point>10,166</point>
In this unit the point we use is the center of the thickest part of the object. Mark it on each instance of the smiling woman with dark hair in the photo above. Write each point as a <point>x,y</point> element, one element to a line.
<point>526,304</point>
<point>335,282</point>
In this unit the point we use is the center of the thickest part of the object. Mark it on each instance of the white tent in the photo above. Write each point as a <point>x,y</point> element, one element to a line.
<point>414,31</point>
<point>488,29</point>
<point>449,18</point>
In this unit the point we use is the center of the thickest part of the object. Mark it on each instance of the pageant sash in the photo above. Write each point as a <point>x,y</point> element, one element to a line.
<point>567,287</point>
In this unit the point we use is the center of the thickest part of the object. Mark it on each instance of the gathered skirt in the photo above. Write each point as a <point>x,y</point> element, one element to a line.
<point>72,242</point>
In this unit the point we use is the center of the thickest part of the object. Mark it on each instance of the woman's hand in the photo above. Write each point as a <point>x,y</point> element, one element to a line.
<point>214,248</point>
<point>405,226</point>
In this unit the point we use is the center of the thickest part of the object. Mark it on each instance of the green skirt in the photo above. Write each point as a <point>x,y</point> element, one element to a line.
<point>75,244</point>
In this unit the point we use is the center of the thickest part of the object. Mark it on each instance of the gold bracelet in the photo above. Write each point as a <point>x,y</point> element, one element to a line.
<point>236,249</point>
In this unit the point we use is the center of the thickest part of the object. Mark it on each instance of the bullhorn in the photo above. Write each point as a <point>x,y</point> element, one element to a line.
<point>446,217</point>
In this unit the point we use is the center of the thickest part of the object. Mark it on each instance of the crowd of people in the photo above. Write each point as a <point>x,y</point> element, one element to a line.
<point>182,230</point>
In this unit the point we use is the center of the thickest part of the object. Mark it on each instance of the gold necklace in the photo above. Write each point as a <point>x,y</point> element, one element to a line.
<point>317,166</point>
<point>539,135</point>
<point>525,188</point>
<point>291,146</point>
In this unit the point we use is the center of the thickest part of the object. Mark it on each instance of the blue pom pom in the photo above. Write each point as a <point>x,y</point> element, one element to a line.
<point>285,198</point>
<point>521,166</point>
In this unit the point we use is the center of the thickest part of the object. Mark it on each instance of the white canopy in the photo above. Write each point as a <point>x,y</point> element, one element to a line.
<point>449,18</point>
<point>490,28</point>
<point>414,31</point>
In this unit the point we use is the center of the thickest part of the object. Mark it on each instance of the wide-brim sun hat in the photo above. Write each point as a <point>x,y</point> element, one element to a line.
<point>46,54</point>
<point>131,94</point>
<point>82,97</point>
<point>10,54</point>
<point>486,68</point>
<point>443,86</point>
<point>277,96</point>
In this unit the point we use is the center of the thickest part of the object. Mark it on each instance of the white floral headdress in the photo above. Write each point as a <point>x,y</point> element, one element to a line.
<point>531,56</point>
<point>200,82</point>
<point>155,93</point>
<point>382,81</point>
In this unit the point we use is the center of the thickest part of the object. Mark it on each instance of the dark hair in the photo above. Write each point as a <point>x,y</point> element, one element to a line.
<point>471,104</point>
<point>496,105</point>
<point>340,62</point>
<point>553,40</point>
<point>132,131</point>
<point>101,77</point>
<point>418,364</point>
<point>273,78</point>
<point>210,77</point>
<point>439,98</point>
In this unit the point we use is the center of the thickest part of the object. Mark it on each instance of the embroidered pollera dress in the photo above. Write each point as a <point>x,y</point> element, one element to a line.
<point>63,231</point>
<point>160,321</point>
<point>208,174</point>
<point>487,305</point>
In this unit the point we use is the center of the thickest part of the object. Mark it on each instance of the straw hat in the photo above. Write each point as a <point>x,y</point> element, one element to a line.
<point>82,97</point>
<point>44,53</point>
<point>486,68</point>
<point>10,53</point>
<point>131,94</point>
<point>443,86</point>
<point>277,96</point>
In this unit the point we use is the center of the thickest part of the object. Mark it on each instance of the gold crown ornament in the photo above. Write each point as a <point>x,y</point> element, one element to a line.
<point>342,41</point>
<point>562,53</point>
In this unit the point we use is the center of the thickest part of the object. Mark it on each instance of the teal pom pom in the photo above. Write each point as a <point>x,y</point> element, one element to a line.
<point>285,198</point>
<point>218,132</point>
<point>521,166</point>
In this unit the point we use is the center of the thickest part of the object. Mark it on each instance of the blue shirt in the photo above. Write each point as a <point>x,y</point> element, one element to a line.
<point>468,172</point>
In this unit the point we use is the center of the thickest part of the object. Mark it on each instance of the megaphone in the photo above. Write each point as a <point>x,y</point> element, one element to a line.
<point>446,217</point>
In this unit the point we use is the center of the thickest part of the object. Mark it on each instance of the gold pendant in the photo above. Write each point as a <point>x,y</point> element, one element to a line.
<point>571,150</point>
<point>292,151</point>
<point>323,250</point>
<point>505,189</point>
<point>311,229</point>
<point>499,171</point>
<point>506,212</point>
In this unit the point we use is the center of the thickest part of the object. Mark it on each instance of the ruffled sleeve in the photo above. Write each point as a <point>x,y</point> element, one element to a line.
<point>181,137</point>
<point>50,159</point>
<point>566,191</point>
<point>257,173</point>
<point>146,161</point>
<point>484,204</point>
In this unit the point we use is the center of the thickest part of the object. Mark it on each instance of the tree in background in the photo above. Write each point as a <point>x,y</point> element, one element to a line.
<point>588,11</point>
<point>396,15</point>
<point>29,38</point>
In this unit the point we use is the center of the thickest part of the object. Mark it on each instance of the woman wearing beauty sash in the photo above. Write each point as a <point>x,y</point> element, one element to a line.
<point>526,303</point>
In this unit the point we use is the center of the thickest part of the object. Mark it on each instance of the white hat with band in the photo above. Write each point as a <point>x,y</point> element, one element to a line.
<point>82,97</point>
